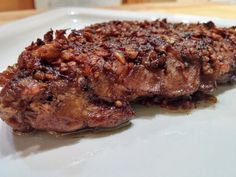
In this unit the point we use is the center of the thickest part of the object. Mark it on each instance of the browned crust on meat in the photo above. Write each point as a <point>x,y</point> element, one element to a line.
<point>88,77</point>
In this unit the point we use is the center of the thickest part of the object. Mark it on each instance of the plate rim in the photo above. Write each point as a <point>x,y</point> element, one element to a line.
<point>72,11</point>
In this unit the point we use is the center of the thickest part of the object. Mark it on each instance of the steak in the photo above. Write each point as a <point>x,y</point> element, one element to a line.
<point>89,77</point>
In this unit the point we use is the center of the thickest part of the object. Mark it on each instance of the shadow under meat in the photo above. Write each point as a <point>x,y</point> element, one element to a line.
<point>37,142</point>
<point>224,88</point>
<point>150,110</point>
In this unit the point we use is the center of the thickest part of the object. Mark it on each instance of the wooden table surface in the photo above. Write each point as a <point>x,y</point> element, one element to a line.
<point>202,9</point>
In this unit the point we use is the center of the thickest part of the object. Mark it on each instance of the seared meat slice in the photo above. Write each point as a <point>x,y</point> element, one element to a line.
<point>87,79</point>
<point>127,60</point>
<point>35,105</point>
<point>36,96</point>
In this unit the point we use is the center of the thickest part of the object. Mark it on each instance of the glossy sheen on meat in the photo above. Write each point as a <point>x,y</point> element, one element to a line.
<point>87,78</point>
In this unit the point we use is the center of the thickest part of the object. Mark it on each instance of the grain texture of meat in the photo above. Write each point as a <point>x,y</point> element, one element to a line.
<point>86,78</point>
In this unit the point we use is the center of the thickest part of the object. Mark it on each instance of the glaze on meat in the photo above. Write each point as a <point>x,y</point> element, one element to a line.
<point>87,78</point>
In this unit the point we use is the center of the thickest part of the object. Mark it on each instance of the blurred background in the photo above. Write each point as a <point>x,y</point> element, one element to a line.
<point>7,5</point>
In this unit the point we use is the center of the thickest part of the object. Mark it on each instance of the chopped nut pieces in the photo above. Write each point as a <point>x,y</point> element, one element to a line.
<point>120,57</point>
<point>88,78</point>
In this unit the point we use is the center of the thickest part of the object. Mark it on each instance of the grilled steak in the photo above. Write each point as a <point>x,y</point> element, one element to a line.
<point>87,79</point>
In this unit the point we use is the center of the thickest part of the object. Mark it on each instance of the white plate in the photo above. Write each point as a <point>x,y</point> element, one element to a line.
<point>201,143</point>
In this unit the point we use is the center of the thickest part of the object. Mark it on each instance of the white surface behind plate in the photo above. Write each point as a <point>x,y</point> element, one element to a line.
<point>158,144</point>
